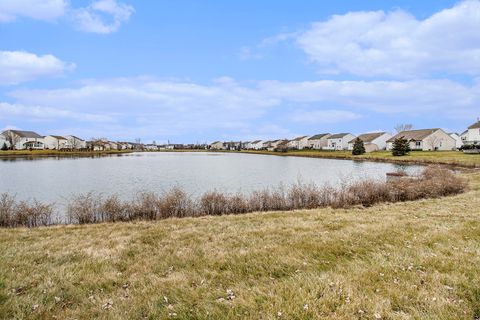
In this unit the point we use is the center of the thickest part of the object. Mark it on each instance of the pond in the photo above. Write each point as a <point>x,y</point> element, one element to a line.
<point>55,179</point>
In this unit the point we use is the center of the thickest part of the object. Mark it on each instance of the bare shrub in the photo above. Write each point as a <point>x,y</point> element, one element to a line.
<point>176,203</point>
<point>93,208</point>
<point>214,204</point>
<point>24,214</point>
<point>85,209</point>
<point>146,206</point>
<point>113,209</point>
<point>7,209</point>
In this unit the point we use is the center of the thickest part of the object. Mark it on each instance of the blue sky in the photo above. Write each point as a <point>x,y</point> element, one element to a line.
<point>194,71</point>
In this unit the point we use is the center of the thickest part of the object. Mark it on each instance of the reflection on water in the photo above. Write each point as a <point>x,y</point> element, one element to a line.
<point>53,179</point>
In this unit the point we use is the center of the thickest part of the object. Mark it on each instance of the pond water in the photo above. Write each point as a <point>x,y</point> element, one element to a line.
<point>56,179</point>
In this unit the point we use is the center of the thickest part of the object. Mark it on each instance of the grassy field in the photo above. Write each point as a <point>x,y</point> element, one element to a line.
<point>456,158</point>
<point>40,153</point>
<point>414,260</point>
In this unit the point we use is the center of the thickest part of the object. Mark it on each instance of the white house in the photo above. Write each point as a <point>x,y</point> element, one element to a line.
<point>24,139</point>
<point>458,140</point>
<point>257,144</point>
<point>318,141</point>
<point>55,142</point>
<point>339,141</point>
<point>425,140</point>
<point>75,142</point>
<point>298,143</point>
<point>372,141</point>
<point>151,147</point>
<point>472,135</point>
<point>217,145</point>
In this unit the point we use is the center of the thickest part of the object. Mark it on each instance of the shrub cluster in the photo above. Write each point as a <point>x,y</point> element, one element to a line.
<point>24,214</point>
<point>93,208</point>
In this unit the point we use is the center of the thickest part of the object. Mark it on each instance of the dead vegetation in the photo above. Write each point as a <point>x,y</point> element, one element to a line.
<point>434,182</point>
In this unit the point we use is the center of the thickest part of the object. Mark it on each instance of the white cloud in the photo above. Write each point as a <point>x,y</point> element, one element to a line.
<point>323,116</point>
<point>38,113</point>
<point>396,44</point>
<point>20,66</point>
<point>102,16</point>
<point>149,107</point>
<point>46,10</point>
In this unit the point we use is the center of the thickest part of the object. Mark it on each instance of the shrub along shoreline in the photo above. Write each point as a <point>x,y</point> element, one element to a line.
<point>433,182</point>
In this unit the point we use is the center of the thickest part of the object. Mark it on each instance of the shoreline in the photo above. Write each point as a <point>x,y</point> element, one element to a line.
<point>415,158</point>
<point>454,159</point>
<point>57,153</point>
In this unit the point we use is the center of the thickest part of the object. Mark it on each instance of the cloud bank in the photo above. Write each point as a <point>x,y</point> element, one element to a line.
<point>20,66</point>
<point>101,16</point>
<point>396,44</point>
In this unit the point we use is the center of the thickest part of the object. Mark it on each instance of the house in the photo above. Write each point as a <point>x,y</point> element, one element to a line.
<point>472,134</point>
<point>273,145</point>
<point>98,145</point>
<point>76,143</point>
<point>233,145</point>
<point>339,141</point>
<point>217,145</point>
<point>55,142</point>
<point>298,143</point>
<point>282,146</point>
<point>372,141</point>
<point>151,147</point>
<point>458,140</point>
<point>257,144</point>
<point>425,140</point>
<point>24,139</point>
<point>318,141</point>
<point>113,145</point>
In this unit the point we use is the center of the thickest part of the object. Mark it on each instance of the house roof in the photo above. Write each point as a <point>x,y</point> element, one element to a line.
<point>368,137</point>
<point>338,135</point>
<point>217,142</point>
<point>256,141</point>
<point>319,136</point>
<point>284,142</point>
<point>58,137</point>
<point>299,138</point>
<point>475,125</point>
<point>75,137</point>
<point>414,135</point>
<point>26,134</point>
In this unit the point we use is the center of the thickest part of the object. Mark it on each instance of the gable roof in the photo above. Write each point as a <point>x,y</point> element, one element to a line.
<point>256,141</point>
<point>76,138</point>
<point>319,136</point>
<point>299,138</point>
<point>216,142</point>
<point>58,137</point>
<point>25,134</point>
<point>475,125</point>
<point>414,135</point>
<point>368,137</point>
<point>338,135</point>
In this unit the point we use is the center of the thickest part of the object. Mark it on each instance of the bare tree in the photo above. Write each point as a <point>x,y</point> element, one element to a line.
<point>12,138</point>
<point>433,142</point>
<point>403,127</point>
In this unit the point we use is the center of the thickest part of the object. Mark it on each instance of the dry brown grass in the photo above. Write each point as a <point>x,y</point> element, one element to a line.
<point>409,260</point>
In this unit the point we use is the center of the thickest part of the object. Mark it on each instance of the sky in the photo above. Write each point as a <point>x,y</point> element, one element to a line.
<point>189,71</point>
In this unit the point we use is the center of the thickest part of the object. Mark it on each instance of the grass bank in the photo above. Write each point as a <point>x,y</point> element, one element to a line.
<point>59,153</point>
<point>391,261</point>
<point>452,158</point>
